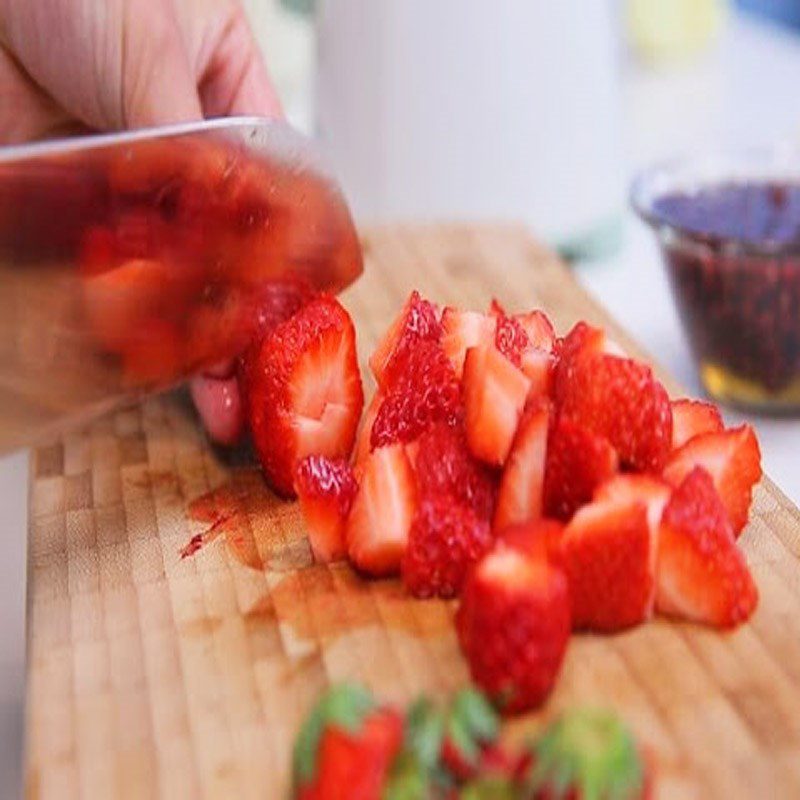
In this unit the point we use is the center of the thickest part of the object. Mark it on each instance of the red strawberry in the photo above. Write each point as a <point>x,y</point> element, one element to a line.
<point>691,418</point>
<point>577,462</point>
<point>581,339</point>
<point>539,329</point>
<point>418,321</point>
<point>702,574</point>
<point>537,538</point>
<point>346,748</point>
<point>538,366</point>
<point>463,330</point>
<point>494,397</point>
<point>651,491</point>
<point>510,338</point>
<point>522,484</point>
<point>620,399</point>
<point>496,309</point>
<point>444,465</point>
<point>445,539</point>
<point>380,517</point>
<point>326,489</point>
<point>608,555</point>
<point>424,392</point>
<point>513,626</point>
<point>732,458</point>
<point>363,446</point>
<point>304,392</point>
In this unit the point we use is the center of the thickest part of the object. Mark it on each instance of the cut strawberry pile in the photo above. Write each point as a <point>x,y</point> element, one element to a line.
<point>549,481</point>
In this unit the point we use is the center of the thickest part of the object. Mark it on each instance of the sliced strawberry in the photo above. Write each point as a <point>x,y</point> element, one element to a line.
<point>326,488</point>
<point>732,458</point>
<point>647,489</point>
<point>496,309</point>
<point>463,330</point>
<point>363,445</point>
<point>510,338</point>
<point>702,574</point>
<point>540,330</point>
<point>538,366</point>
<point>444,465</point>
<point>537,538</point>
<point>690,418</point>
<point>578,461</point>
<point>446,538</point>
<point>522,485</point>
<point>608,553</point>
<point>513,626</point>
<point>418,321</point>
<point>424,392</point>
<point>494,397</point>
<point>304,392</point>
<point>620,399</point>
<point>381,515</point>
<point>581,339</point>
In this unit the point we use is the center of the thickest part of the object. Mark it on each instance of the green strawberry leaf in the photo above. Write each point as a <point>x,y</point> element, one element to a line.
<point>345,706</point>
<point>477,715</point>
<point>424,732</point>
<point>408,779</point>
<point>490,789</point>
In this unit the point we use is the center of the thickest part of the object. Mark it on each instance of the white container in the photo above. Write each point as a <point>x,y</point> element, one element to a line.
<point>471,109</point>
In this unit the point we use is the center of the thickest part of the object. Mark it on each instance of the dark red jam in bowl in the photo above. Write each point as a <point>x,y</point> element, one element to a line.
<point>732,250</point>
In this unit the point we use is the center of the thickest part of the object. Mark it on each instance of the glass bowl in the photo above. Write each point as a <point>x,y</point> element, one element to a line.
<point>729,231</point>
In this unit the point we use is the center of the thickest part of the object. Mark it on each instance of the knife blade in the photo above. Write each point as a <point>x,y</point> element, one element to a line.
<point>130,261</point>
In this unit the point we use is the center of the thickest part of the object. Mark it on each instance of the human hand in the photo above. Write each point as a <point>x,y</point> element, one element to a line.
<point>77,65</point>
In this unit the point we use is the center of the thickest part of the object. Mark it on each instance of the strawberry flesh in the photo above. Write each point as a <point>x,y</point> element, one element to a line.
<point>690,418</point>
<point>463,330</point>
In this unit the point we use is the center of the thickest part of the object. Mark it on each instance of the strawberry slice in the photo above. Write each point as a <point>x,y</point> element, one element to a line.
<point>363,447</point>
<point>538,366</point>
<point>537,325</point>
<point>304,392</point>
<point>536,538</point>
<point>463,330</point>
<point>702,574</point>
<point>581,339</point>
<point>445,539</point>
<point>513,626</point>
<point>620,399</point>
<point>510,338</point>
<point>690,418</point>
<point>732,458</point>
<point>608,555</point>
<point>382,512</point>
<point>424,392</point>
<point>326,488</point>
<point>494,397</point>
<point>578,461</point>
<point>418,321</point>
<point>522,484</point>
<point>647,489</point>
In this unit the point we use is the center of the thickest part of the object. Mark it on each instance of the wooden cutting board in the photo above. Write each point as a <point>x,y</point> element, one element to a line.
<point>156,675</point>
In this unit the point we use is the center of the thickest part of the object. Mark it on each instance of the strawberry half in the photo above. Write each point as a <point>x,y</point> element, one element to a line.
<point>537,325</point>
<point>702,574</point>
<point>522,485</point>
<point>513,626</point>
<point>510,338</point>
<point>620,399</point>
<point>578,461</point>
<point>581,339</point>
<point>653,492</point>
<point>326,488</point>
<point>462,330</point>
<point>380,518</point>
<point>445,539</point>
<point>304,392</point>
<point>539,538</point>
<point>418,321</point>
<point>494,397</point>
<point>690,418</point>
<point>363,444</point>
<point>608,554</point>
<point>732,458</point>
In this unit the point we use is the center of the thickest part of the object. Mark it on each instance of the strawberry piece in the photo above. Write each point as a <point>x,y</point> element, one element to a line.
<point>608,555</point>
<point>462,330</point>
<point>732,458</point>
<point>578,461</point>
<point>538,366</point>
<point>620,399</point>
<point>424,392</point>
<point>326,488</point>
<point>153,354</point>
<point>418,321</point>
<point>702,574</point>
<point>510,338</point>
<point>690,418</point>
<point>522,485</point>
<point>444,465</point>
<point>445,539</point>
<point>587,753</point>
<point>494,397</point>
<point>363,446</point>
<point>380,518</point>
<point>304,392</point>
<point>647,489</point>
<point>346,748</point>
<point>539,329</point>
<point>580,340</point>
<point>513,626</point>
<point>496,309</point>
<point>539,538</point>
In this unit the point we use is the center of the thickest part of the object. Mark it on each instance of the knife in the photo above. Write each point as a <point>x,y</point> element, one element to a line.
<point>130,261</point>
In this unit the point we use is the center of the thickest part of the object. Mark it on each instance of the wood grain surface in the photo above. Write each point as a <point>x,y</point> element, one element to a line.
<point>153,675</point>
